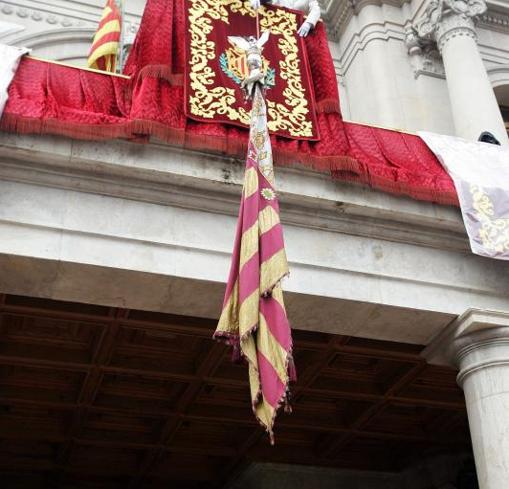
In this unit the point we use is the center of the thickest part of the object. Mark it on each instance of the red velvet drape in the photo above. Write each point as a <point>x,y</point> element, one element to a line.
<point>47,98</point>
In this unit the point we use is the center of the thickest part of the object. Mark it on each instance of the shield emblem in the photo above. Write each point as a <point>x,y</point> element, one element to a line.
<point>233,63</point>
<point>237,62</point>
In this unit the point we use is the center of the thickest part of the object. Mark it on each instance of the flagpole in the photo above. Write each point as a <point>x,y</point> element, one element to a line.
<point>84,68</point>
<point>120,54</point>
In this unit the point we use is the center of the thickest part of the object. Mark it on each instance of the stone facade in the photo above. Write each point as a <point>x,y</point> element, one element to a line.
<point>151,227</point>
<point>404,50</point>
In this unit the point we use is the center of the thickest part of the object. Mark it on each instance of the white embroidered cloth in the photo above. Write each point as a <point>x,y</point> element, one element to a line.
<point>311,7</point>
<point>480,172</point>
<point>10,56</point>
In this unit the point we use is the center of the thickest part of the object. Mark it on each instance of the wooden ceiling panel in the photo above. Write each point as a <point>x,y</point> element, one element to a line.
<point>120,427</point>
<point>158,350</point>
<point>215,435</point>
<point>325,412</point>
<point>32,422</point>
<point>27,455</point>
<point>182,324</point>
<point>93,397</point>
<point>105,461</point>
<point>139,392</point>
<point>36,305</point>
<point>435,383</point>
<point>40,383</point>
<point>363,374</point>
<point>310,339</point>
<point>22,480</point>
<point>48,338</point>
<point>363,453</point>
<point>386,349</point>
<point>227,396</point>
<point>423,422</point>
<point>230,371</point>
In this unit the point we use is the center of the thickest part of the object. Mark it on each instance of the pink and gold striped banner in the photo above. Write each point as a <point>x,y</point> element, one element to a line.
<point>254,319</point>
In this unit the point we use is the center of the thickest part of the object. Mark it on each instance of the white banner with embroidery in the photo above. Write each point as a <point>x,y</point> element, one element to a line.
<point>480,172</point>
<point>10,56</point>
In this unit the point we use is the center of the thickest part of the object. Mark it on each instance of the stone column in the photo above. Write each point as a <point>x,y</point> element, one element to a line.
<point>478,344</point>
<point>473,103</point>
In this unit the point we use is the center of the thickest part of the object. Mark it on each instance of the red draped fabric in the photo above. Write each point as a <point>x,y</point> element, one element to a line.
<point>215,68</point>
<point>46,98</point>
<point>157,65</point>
<point>396,162</point>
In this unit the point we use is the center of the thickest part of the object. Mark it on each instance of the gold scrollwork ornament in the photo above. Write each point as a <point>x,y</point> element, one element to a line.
<point>494,232</point>
<point>208,100</point>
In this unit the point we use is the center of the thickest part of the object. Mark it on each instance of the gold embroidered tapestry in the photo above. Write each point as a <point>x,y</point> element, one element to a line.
<point>215,68</point>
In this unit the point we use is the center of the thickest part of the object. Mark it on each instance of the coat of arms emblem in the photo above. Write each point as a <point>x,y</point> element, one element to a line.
<point>233,63</point>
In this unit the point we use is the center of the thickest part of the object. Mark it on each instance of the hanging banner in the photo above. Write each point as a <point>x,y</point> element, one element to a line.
<point>480,172</point>
<point>253,320</point>
<point>215,68</point>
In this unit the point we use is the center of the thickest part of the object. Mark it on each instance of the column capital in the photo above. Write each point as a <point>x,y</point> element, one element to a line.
<point>462,341</point>
<point>454,25</point>
<point>444,19</point>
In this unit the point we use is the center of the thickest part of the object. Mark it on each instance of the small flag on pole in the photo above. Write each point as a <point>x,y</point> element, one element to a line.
<point>103,53</point>
<point>254,319</point>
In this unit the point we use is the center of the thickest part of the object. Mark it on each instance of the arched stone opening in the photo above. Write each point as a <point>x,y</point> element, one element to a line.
<point>500,80</point>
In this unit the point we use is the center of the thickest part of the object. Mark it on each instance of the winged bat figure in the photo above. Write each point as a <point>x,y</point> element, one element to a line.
<point>253,48</point>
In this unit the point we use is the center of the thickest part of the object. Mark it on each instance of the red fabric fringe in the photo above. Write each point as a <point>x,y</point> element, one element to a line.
<point>46,98</point>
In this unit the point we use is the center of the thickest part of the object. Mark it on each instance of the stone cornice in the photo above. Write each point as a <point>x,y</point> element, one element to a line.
<point>337,13</point>
<point>371,32</point>
<point>48,15</point>
<point>495,20</point>
<point>471,330</point>
<point>345,208</point>
<point>53,16</point>
<point>336,16</point>
<point>55,12</point>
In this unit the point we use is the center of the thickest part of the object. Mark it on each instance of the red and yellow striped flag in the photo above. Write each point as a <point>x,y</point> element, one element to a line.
<point>254,319</point>
<point>103,53</point>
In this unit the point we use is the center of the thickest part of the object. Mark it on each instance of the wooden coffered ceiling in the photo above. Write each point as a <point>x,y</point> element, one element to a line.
<point>97,397</point>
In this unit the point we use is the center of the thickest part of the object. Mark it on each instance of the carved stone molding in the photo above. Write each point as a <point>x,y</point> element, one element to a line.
<point>472,330</point>
<point>495,21</point>
<point>443,20</point>
<point>439,10</point>
<point>454,26</point>
<point>37,15</point>
<point>337,13</point>
<point>10,28</point>
<point>424,56</point>
<point>336,16</point>
<point>24,14</point>
<point>57,30</point>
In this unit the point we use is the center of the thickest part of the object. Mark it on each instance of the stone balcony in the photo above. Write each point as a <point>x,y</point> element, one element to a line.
<point>151,227</point>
